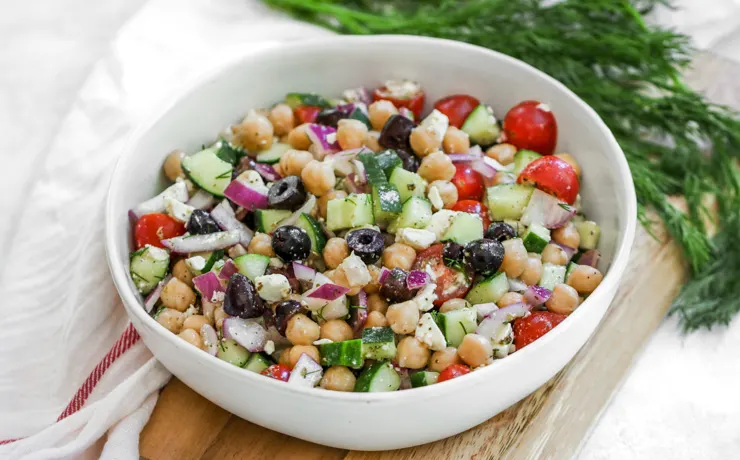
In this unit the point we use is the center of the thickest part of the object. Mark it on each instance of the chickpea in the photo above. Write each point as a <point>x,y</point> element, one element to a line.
<point>177,295</point>
<point>585,279</point>
<point>254,133</point>
<point>181,271</point>
<point>403,317</point>
<point>284,357</point>
<point>554,254</point>
<point>423,141</point>
<point>375,302</point>
<point>443,358</point>
<point>172,165</point>
<point>456,141</point>
<point>324,200</point>
<point>412,353</point>
<point>447,191</point>
<point>376,319</point>
<point>302,330</point>
<point>171,319</point>
<point>380,112</point>
<point>503,153</point>
<point>502,178</point>
<point>475,350</point>
<point>293,161</point>
<point>373,287</point>
<point>436,166</point>
<point>195,322</point>
<point>281,117</point>
<point>454,304</point>
<point>515,257</point>
<point>236,250</point>
<point>568,158</point>
<point>371,141</point>
<point>336,330</point>
<point>298,138</point>
<point>399,255</point>
<point>564,299</point>
<point>318,177</point>
<point>351,134</point>
<point>192,337</point>
<point>295,354</point>
<point>335,251</point>
<point>219,315</point>
<point>532,271</point>
<point>338,378</point>
<point>261,244</point>
<point>339,277</point>
<point>567,235</point>
<point>510,298</point>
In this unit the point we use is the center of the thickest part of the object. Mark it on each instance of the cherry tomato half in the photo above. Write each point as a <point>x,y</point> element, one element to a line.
<point>554,176</point>
<point>534,326</point>
<point>413,101</point>
<point>153,228</point>
<point>474,207</point>
<point>307,113</point>
<point>451,283</point>
<point>457,107</point>
<point>531,125</point>
<point>453,371</point>
<point>469,182</point>
<point>277,372</point>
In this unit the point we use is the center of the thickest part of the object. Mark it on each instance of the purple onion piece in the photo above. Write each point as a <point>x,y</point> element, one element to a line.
<point>547,210</point>
<point>384,272</point>
<point>590,258</point>
<point>569,252</point>
<point>210,339</point>
<point>328,292</point>
<point>417,279</point>
<point>362,299</point>
<point>226,219</point>
<point>306,372</point>
<point>491,324</point>
<point>202,200</point>
<point>200,243</point>
<point>177,191</point>
<point>247,333</point>
<point>483,168</point>
<point>267,172</point>
<point>303,272</point>
<point>207,284</point>
<point>537,295</point>
<point>227,270</point>
<point>245,196</point>
<point>462,157</point>
<point>357,319</point>
<point>153,297</point>
<point>318,134</point>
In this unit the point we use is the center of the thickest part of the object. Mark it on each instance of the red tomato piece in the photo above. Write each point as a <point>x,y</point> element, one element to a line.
<point>153,228</point>
<point>277,372</point>
<point>554,176</point>
<point>451,283</point>
<point>413,102</point>
<point>457,107</point>
<point>469,182</point>
<point>453,371</point>
<point>534,326</point>
<point>474,207</point>
<point>307,113</point>
<point>531,125</point>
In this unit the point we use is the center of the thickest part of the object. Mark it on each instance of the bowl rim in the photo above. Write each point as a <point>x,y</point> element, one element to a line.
<point>130,298</point>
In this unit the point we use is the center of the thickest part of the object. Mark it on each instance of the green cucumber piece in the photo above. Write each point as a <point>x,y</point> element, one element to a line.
<point>360,113</point>
<point>415,213</point>
<point>315,233</point>
<point>551,275</point>
<point>423,378</point>
<point>380,376</point>
<point>386,202</point>
<point>373,171</point>
<point>295,99</point>
<point>456,324</point>
<point>148,266</point>
<point>569,268</point>
<point>408,184</point>
<point>378,343</point>
<point>230,153</point>
<point>252,265</point>
<point>536,238</point>
<point>231,352</point>
<point>388,160</point>
<point>273,154</point>
<point>489,290</point>
<point>522,158</point>
<point>354,211</point>
<point>267,220</point>
<point>465,227</point>
<point>507,201</point>
<point>481,126</point>
<point>208,171</point>
<point>347,353</point>
<point>589,232</point>
<point>258,362</point>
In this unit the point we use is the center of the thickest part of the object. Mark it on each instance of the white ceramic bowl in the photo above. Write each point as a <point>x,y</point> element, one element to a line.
<point>373,421</point>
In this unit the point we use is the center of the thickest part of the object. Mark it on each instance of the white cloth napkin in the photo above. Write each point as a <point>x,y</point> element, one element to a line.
<point>60,316</point>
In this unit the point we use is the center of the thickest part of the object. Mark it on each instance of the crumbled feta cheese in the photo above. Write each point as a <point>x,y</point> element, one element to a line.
<point>429,333</point>
<point>484,309</point>
<point>177,210</point>
<point>191,310</point>
<point>436,124</point>
<point>440,222</point>
<point>270,347</point>
<point>156,254</point>
<point>196,264</point>
<point>353,94</point>
<point>276,263</point>
<point>402,89</point>
<point>331,138</point>
<point>426,297</point>
<point>218,296</point>
<point>355,270</point>
<point>502,341</point>
<point>253,179</point>
<point>435,198</point>
<point>322,342</point>
<point>272,288</point>
<point>416,238</point>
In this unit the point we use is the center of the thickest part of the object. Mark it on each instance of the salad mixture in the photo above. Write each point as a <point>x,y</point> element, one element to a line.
<point>357,244</point>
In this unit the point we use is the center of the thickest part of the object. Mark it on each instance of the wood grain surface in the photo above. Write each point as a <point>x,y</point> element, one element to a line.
<point>551,423</point>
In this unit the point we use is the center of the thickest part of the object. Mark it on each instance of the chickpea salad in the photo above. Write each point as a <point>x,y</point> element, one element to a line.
<point>359,244</point>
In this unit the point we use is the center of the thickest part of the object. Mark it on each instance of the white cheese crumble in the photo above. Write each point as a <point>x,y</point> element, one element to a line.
<point>322,342</point>
<point>435,198</point>
<point>402,88</point>
<point>253,179</point>
<point>270,347</point>
<point>218,296</point>
<point>484,309</point>
<point>440,222</point>
<point>156,254</point>
<point>272,288</point>
<point>196,264</point>
<point>503,341</point>
<point>331,138</point>
<point>436,124</point>
<point>426,297</point>
<point>355,270</point>
<point>429,333</point>
<point>177,210</point>
<point>416,238</point>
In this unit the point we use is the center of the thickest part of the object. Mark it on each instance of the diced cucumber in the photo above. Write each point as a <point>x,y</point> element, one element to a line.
<point>295,99</point>
<point>423,378</point>
<point>314,230</point>
<point>267,220</point>
<point>388,160</point>
<point>536,238</point>
<point>229,153</point>
<point>551,275</point>
<point>258,362</point>
<point>465,227</point>
<point>273,154</point>
<point>347,353</point>
<point>416,213</point>
<point>386,202</point>
<point>378,343</point>
<point>208,171</point>
<point>481,126</point>
<point>354,211</point>
<point>522,158</point>
<point>569,268</point>
<point>489,290</point>
<point>148,266</point>
<point>252,265</point>
<point>379,376</point>
<point>360,114</point>
<point>373,171</point>
<point>408,184</point>
<point>589,232</point>
<point>231,352</point>
<point>507,201</point>
<point>456,324</point>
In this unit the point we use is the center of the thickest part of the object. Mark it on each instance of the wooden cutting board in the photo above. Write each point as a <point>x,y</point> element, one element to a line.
<point>551,423</point>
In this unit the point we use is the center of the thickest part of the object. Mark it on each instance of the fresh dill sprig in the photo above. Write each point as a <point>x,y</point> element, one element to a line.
<point>630,74</point>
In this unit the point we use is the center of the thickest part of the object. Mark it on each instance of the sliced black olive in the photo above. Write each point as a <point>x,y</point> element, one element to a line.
<point>484,256</point>
<point>500,231</point>
<point>201,223</point>
<point>287,193</point>
<point>291,243</point>
<point>410,162</point>
<point>367,244</point>
<point>284,311</point>
<point>394,286</point>
<point>241,298</point>
<point>331,117</point>
<point>452,254</point>
<point>396,133</point>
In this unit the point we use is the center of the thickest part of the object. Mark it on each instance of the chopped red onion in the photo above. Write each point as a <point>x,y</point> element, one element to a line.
<point>495,164</point>
<point>210,339</point>
<point>227,270</point>
<point>417,279</point>
<point>152,297</point>
<point>323,137</point>
<point>346,109</point>
<point>485,170</point>
<point>361,175</point>
<point>328,292</point>
<point>405,378</point>
<point>547,210</point>
<point>226,219</point>
<point>490,325</point>
<point>362,299</point>
<point>517,285</point>
<point>267,172</point>
<point>245,196</point>
<point>462,157</point>
<point>384,272</point>
<point>246,332</point>
<point>590,258</point>
<point>355,185</point>
<point>569,252</point>
<point>357,319</point>
<point>207,285</point>
<point>537,295</point>
<point>303,272</point>
<point>342,161</point>
<point>202,200</point>
<point>306,372</point>
<point>306,208</point>
<point>177,191</point>
<point>200,243</point>
<point>484,309</point>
